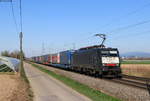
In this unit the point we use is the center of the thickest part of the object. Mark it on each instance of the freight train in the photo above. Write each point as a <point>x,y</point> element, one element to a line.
<point>94,60</point>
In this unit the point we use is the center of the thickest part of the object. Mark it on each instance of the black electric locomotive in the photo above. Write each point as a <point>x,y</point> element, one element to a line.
<point>97,60</point>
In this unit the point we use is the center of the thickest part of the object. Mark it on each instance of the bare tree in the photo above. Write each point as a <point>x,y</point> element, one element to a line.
<point>14,54</point>
<point>5,53</point>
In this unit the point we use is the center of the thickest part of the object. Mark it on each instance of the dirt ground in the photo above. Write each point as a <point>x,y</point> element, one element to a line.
<point>13,88</point>
<point>141,70</point>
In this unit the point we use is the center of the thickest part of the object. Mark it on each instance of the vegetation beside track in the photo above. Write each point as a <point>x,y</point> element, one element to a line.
<point>135,62</point>
<point>26,81</point>
<point>23,75</point>
<point>93,94</point>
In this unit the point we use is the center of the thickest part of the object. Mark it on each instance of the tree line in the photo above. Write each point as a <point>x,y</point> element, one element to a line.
<point>13,54</point>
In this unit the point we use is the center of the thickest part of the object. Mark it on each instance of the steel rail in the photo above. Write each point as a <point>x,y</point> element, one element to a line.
<point>136,78</point>
<point>131,83</point>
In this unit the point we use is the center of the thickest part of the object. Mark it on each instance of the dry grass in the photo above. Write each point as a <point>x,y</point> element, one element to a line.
<point>13,88</point>
<point>141,70</point>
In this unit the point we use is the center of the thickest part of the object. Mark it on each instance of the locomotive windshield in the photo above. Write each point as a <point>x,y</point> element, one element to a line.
<point>109,53</point>
<point>110,57</point>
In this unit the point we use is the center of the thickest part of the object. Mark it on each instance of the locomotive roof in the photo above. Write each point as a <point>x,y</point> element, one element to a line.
<point>97,47</point>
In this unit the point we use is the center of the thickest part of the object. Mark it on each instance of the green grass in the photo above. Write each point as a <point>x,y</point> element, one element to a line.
<point>93,94</point>
<point>135,62</point>
<point>24,77</point>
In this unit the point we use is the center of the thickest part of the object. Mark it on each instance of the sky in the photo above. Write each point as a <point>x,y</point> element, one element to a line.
<point>51,26</point>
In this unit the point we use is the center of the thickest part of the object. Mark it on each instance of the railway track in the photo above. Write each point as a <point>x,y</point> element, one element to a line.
<point>138,82</point>
<point>136,78</point>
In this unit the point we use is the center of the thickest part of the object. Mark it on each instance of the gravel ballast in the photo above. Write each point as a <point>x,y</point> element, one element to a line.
<point>123,92</point>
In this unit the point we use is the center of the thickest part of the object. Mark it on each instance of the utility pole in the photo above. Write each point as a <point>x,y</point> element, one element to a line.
<point>21,51</point>
<point>21,39</point>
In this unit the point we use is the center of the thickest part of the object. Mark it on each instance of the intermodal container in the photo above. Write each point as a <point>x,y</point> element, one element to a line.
<point>65,57</point>
<point>56,58</point>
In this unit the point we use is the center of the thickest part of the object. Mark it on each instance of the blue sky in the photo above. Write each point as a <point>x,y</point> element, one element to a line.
<point>62,24</point>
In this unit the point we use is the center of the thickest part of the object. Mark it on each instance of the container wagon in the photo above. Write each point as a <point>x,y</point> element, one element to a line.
<point>65,58</point>
<point>45,59</point>
<point>56,58</point>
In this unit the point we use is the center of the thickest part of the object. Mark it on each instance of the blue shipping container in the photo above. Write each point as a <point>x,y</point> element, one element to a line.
<point>65,57</point>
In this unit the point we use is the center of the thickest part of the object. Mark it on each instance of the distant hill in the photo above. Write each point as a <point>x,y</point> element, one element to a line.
<point>136,54</point>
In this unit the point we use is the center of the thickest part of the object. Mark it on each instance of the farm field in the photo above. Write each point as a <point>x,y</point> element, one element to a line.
<point>12,88</point>
<point>141,70</point>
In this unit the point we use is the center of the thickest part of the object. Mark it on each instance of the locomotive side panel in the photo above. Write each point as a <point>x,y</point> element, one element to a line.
<point>86,59</point>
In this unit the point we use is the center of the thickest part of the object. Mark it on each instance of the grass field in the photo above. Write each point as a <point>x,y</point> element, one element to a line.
<point>93,94</point>
<point>135,62</point>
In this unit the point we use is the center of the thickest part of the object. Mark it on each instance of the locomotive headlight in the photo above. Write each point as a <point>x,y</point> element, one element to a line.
<point>103,64</point>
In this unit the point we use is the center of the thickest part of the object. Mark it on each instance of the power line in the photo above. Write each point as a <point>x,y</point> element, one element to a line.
<point>20,15</point>
<point>21,34</point>
<point>130,26</point>
<point>131,35</point>
<point>128,14</point>
<point>14,18</point>
<point>139,9</point>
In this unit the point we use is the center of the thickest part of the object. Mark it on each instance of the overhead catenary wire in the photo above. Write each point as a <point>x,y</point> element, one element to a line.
<point>125,16</point>
<point>124,27</point>
<point>130,26</point>
<point>139,9</point>
<point>128,14</point>
<point>128,35</point>
<point>127,27</point>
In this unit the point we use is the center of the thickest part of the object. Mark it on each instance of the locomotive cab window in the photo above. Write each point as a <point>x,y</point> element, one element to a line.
<point>109,53</point>
<point>110,57</point>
